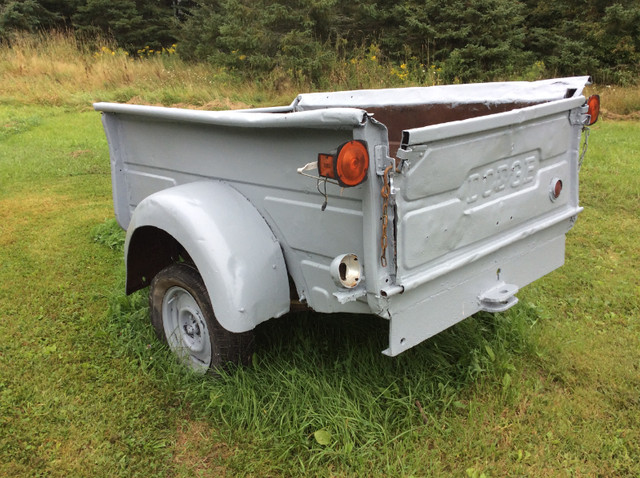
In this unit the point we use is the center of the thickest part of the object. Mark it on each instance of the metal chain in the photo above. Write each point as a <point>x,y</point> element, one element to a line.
<point>385,193</point>
<point>585,145</point>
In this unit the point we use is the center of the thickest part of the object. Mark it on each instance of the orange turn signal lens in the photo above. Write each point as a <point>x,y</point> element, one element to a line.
<point>349,165</point>
<point>326,166</point>
<point>594,108</point>
<point>353,163</point>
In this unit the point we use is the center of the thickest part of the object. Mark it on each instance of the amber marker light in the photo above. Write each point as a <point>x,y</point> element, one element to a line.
<point>326,167</point>
<point>594,108</point>
<point>349,165</point>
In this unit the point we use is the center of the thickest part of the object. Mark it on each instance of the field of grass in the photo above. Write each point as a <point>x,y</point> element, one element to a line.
<point>56,70</point>
<point>550,388</point>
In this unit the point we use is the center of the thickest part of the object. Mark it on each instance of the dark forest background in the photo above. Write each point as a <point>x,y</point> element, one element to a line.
<point>465,40</point>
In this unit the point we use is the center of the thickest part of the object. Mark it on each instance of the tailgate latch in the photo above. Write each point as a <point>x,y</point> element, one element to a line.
<point>499,298</point>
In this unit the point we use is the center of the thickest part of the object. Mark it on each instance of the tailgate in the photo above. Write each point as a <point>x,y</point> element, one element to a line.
<point>472,187</point>
<point>473,199</point>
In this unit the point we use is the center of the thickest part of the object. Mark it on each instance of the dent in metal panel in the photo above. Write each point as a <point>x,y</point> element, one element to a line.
<point>431,233</point>
<point>561,221</point>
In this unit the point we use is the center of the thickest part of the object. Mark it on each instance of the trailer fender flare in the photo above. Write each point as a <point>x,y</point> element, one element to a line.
<point>238,256</point>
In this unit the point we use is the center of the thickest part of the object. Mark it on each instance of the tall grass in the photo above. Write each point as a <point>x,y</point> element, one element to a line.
<point>619,102</point>
<point>56,69</point>
<point>321,396</point>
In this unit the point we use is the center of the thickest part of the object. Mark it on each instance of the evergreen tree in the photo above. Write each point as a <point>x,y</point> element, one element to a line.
<point>595,37</point>
<point>64,9</point>
<point>133,24</point>
<point>470,39</point>
<point>259,36</point>
<point>26,15</point>
<point>616,41</point>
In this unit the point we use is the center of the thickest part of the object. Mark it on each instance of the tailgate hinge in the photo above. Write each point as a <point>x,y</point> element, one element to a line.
<point>578,116</point>
<point>383,159</point>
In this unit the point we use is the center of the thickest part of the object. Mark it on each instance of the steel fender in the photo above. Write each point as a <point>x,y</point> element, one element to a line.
<point>239,258</point>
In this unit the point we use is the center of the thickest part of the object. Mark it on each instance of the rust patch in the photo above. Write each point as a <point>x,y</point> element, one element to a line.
<point>400,118</point>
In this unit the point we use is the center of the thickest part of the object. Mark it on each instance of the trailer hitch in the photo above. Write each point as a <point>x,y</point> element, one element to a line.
<point>499,298</point>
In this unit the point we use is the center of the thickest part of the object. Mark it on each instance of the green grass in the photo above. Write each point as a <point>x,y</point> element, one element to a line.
<point>550,388</point>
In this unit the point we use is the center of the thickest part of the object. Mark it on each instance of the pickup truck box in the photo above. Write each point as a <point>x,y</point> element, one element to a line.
<point>420,205</point>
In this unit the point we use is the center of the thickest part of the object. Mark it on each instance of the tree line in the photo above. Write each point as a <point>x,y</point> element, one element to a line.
<point>467,40</point>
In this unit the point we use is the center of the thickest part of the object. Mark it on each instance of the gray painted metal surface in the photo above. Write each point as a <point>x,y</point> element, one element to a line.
<point>472,219</point>
<point>455,95</point>
<point>237,255</point>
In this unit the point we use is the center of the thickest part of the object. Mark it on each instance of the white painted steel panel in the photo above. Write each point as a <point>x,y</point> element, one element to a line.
<point>489,184</point>
<point>470,209</point>
<point>490,93</point>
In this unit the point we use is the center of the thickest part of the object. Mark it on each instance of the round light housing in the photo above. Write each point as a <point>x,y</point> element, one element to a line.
<point>346,271</point>
<point>593,104</point>
<point>348,164</point>
<point>352,163</point>
<point>555,188</point>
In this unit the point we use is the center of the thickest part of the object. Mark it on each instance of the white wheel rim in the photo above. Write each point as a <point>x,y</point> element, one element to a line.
<point>185,329</point>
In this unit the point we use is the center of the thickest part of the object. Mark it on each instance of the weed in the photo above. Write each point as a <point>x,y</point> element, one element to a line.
<point>12,125</point>
<point>109,234</point>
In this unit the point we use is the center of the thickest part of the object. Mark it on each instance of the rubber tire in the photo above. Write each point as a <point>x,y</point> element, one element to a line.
<point>227,348</point>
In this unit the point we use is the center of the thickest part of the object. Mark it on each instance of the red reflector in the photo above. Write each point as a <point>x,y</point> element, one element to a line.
<point>556,188</point>
<point>594,108</point>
